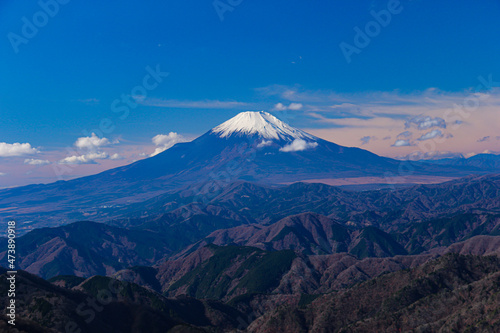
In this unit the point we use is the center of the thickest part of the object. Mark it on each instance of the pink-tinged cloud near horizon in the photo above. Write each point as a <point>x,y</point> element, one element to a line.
<point>428,124</point>
<point>475,134</point>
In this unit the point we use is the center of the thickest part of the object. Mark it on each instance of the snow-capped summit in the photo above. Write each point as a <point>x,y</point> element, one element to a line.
<point>262,124</point>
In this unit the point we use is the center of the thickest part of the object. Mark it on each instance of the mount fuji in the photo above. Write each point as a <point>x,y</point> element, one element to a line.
<point>252,146</point>
<point>261,124</point>
<point>256,146</point>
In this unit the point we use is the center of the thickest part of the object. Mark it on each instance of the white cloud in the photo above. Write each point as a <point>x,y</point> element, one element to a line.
<point>401,143</point>
<point>16,149</point>
<point>2,174</point>
<point>292,106</point>
<point>264,143</point>
<point>166,141</point>
<point>431,135</point>
<point>279,107</point>
<point>295,106</point>
<point>116,156</point>
<point>84,159</point>
<point>157,151</point>
<point>33,161</point>
<point>91,143</point>
<point>298,145</point>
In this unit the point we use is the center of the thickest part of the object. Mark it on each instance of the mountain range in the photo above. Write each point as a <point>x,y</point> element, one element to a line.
<point>252,146</point>
<point>454,294</point>
<point>240,230</point>
<point>457,291</point>
<point>483,161</point>
<point>364,224</point>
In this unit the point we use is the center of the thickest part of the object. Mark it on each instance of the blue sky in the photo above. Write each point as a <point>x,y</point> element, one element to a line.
<point>58,85</point>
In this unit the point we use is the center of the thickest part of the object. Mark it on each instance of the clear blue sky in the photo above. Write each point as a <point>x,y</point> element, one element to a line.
<point>64,79</point>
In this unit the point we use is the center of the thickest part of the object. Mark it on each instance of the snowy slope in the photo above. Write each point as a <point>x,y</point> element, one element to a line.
<point>262,124</point>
